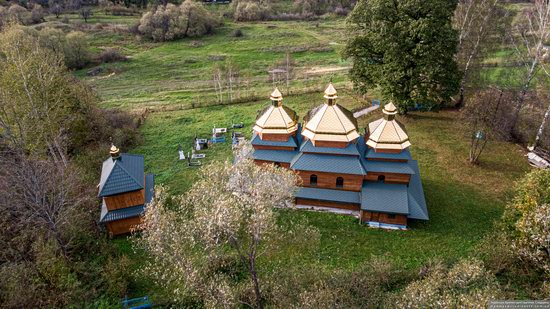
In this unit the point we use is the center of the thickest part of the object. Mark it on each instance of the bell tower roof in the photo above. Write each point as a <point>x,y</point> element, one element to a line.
<point>276,118</point>
<point>330,122</point>
<point>387,133</point>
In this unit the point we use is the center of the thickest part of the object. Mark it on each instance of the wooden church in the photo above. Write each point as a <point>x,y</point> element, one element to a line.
<point>371,176</point>
<point>124,190</point>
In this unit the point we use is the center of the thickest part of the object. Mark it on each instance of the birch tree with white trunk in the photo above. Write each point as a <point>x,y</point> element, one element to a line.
<point>529,38</point>
<point>475,21</point>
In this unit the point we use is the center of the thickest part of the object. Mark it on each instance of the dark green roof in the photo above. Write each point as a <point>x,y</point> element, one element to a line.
<point>328,195</point>
<point>328,164</point>
<point>123,213</point>
<point>124,174</point>
<point>282,156</point>
<point>383,197</point>
<point>417,201</point>
<point>388,167</point>
<point>350,150</point>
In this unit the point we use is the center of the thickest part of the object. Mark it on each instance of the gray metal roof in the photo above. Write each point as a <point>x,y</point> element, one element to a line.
<point>123,213</point>
<point>388,167</point>
<point>351,149</point>
<point>256,140</point>
<point>404,155</point>
<point>328,163</point>
<point>383,197</point>
<point>282,156</point>
<point>417,201</point>
<point>124,174</point>
<point>329,195</point>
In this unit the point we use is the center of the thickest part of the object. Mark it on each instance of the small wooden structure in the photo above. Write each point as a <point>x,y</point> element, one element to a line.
<point>124,190</point>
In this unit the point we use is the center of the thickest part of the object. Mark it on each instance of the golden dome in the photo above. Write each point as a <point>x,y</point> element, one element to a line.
<point>387,133</point>
<point>330,92</point>
<point>390,109</point>
<point>276,95</point>
<point>330,121</point>
<point>276,119</point>
<point>114,151</point>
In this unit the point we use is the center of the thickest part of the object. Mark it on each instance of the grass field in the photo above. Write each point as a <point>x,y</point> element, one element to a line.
<point>181,72</point>
<point>464,200</point>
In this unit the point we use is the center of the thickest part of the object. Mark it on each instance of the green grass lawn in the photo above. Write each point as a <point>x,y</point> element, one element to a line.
<point>181,72</point>
<point>463,200</point>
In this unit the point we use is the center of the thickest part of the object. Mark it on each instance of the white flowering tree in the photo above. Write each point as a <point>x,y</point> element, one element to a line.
<point>224,223</point>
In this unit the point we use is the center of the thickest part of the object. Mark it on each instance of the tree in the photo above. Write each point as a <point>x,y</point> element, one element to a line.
<point>170,22</point>
<point>540,131</point>
<point>528,38</point>
<point>482,115</point>
<point>465,285</point>
<point>226,219</point>
<point>477,22</point>
<point>76,50</point>
<point>406,48</point>
<point>527,219</point>
<point>85,12</point>
<point>37,14</point>
<point>55,8</point>
<point>43,109</point>
<point>42,197</point>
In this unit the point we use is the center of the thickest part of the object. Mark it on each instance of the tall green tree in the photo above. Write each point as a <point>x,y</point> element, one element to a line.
<point>406,48</point>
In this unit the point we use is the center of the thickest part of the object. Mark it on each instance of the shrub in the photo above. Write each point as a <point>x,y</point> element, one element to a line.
<point>466,285</point>
<point>250,11</point>
<point>19,14</point>
<point>3,16</point>
<point>527,219</point>
<point>111,55</point>
<point>53,39</point>
<point>37,14</point>
<point>77,54</point>
<point>119,10</point>
<point>309,7</point>
<point>237,33</point>
<point>170,22</point>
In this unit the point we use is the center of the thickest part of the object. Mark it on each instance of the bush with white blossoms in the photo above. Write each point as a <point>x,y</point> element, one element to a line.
<point>528,218</point>
<point>200,243</point>
<point>466,285</point>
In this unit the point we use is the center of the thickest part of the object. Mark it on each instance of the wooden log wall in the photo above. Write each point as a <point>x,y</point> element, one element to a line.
<point>125,200</point>
<point>389,177</point>
<point>261,147</point>
<point>328,180</point>
<point>274,137</point>
<point>330,144</point>
<point>123,226</point>
<point>367,216</point>
<point>318,203</point>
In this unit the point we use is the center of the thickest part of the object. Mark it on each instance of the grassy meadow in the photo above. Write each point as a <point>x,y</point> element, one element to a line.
<point>174,81</point>
<point>179,74</point>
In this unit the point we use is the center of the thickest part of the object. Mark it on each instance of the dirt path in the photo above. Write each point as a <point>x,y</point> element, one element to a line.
<point>365,111</point>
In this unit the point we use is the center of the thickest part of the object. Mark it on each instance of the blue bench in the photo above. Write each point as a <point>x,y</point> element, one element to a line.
<point>137,303</point>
